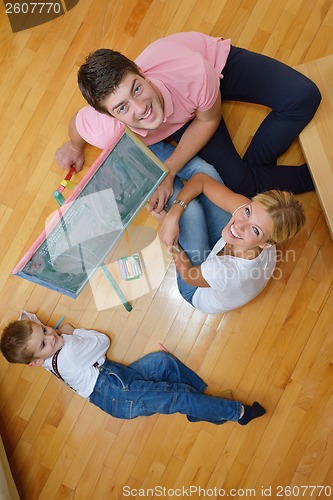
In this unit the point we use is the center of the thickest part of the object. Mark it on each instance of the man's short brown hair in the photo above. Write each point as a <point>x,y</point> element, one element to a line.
<point>101,74</point>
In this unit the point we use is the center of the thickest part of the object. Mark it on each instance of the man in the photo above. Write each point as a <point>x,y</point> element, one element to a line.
<point>174,89</point>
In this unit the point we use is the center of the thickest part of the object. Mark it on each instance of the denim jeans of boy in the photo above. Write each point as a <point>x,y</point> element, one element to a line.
<point>158,383</point>
<point>202,222</point>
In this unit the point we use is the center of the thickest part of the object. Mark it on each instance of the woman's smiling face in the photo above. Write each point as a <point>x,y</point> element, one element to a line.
<point>249,227</point>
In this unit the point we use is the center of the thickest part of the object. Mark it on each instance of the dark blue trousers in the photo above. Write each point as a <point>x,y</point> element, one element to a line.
<point>293,100</point>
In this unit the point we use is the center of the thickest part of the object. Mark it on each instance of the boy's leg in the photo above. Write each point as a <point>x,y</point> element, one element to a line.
<point>167,398</point>
<point>122,392</point>
<point>128,397</point>
<point>162,366</point>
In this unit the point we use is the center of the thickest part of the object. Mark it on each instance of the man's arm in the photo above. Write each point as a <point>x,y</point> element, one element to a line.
<point>72,152</point>
<point>193,140</point>
<point>196,136</point>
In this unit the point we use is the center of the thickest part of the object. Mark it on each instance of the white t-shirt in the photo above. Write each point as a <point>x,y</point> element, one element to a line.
<point>232,281</point>
<point>77,356</point>
<point>76,359</point>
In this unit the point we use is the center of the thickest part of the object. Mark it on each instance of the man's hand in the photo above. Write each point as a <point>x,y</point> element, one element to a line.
<point>160,197</point>
<point>67,156</point>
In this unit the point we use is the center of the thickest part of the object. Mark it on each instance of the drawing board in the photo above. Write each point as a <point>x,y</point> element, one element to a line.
<point>88,225</point>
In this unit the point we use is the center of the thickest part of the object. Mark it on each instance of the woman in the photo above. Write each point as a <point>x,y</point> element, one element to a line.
<point>240,262</point>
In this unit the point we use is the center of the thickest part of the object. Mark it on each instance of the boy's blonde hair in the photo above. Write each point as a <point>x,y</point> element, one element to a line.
<point>286,212</point>
<point>14,340</point>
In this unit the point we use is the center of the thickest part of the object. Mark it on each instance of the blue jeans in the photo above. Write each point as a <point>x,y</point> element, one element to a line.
<point>158,383</point>
<point>202,222</point>
<point>293,99</point>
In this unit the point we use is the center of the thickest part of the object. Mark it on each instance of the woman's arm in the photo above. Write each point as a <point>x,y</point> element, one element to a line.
<point>190,274</point>
<point>216,192</point>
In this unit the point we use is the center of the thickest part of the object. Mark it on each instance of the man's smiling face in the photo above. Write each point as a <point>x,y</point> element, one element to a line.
<point>136,103</point>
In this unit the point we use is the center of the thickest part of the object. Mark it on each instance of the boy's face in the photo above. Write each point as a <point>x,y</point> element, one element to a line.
<point>136,103</point>
<point>43,343</point>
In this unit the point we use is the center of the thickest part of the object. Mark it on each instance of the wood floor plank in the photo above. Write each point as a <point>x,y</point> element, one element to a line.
<point>277,349</point>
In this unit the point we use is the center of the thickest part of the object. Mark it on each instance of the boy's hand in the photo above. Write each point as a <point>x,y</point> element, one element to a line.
<point>66,329</point>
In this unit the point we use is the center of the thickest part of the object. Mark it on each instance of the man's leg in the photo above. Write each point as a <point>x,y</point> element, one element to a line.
<point>293,98</point>
<point>250,77</point>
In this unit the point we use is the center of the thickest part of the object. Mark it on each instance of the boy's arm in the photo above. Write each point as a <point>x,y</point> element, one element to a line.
<point>67,329</point>
<point>216,192</point>
<point>30,316</point>
<point>89,347</point>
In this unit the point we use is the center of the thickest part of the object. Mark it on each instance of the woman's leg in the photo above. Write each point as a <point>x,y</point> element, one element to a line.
<point>202,222</point>
<point>216,218</point>
<point>193,235</point>
<point>200,227</point>
<point>193,238</point>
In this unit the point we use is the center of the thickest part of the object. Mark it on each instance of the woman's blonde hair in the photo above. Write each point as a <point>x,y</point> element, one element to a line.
<point>286,212</point>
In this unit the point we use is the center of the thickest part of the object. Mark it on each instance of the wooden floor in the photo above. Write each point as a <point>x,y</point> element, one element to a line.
<point>277,350</point>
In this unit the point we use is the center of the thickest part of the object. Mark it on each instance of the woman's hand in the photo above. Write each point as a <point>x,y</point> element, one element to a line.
<point>169,229</point>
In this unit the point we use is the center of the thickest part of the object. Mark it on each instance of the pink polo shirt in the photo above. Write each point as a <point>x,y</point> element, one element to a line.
<point>186,68</point>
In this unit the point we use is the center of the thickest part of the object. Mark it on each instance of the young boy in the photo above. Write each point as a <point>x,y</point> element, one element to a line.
<point>156,383</point>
